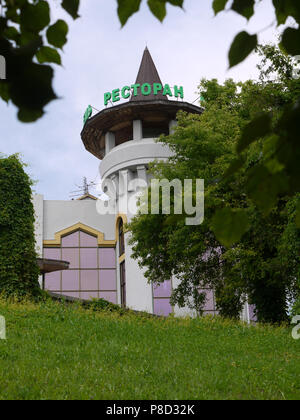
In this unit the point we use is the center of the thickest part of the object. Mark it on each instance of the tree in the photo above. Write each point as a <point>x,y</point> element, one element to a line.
<point>23,24</point>
<point>18,266</point>
<point>259,266</point>
<point>21,40</point>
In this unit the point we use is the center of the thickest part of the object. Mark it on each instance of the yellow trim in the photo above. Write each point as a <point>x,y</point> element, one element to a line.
<point>122,258</point>
<point>87,196</point>
<point>124,218</point>
<point>79,226</point>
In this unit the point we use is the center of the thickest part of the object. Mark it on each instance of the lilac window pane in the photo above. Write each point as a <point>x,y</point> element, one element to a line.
<point>70,280</point>
<point>163,290</point>
<point>72,256</point>
<point>52,281</point>
<point>88,258</point>
<point>162,307</point>
<point>209,304</point>
<point>88,240</point>
<point>70,240</point>
<point>108,280</point>
<point>71,294</point>
<point>252,315</point>
<point>89,295</point>
<point>89,279</point>
<point>52,253</point>
<point>107,257</point>
<point>110,296</point>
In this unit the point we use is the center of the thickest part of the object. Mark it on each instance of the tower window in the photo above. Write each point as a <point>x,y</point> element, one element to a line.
<point>121,238</point>
<point>155,129</point>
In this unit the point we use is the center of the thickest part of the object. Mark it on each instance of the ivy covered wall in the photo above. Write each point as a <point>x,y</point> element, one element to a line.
<point>18,269</point>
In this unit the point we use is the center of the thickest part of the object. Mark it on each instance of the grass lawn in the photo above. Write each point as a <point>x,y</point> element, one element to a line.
<point>55,351</point>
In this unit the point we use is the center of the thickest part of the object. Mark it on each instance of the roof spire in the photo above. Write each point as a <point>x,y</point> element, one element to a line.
<point>148,74</point>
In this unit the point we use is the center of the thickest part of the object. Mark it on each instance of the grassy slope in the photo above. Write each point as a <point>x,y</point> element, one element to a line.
<point>58,352</point>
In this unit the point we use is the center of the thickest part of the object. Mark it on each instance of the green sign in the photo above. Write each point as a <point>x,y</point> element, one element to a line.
<point>87,114</point>
<point>146,89</point>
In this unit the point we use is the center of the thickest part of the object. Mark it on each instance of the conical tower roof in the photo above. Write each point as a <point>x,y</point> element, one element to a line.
<point>148,74</point>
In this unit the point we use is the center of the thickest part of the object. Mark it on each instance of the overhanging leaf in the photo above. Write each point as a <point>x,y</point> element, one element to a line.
<point>286,8</point>
<point>281,13</point>
<point>244,7</point>
<point>264,187</point>
<point>11,33</point>
<point>71,6</point>
<point>127,8</point>
<point>158,8</point>
<point>219,5</point>
<point>256,129</point>
<point>229,225</point>
<point>57,34</point>
<point>35,17</point>
<point>33,89</point>
<point>4,90</point>
<point>29,115</point>
<point>241,47</point>
<point>48,55</point>
<point>291,41</point>
<point>235,165</point>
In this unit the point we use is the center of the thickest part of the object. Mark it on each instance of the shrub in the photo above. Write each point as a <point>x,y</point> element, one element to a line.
<point>104,305</point>
<point>18,268</point>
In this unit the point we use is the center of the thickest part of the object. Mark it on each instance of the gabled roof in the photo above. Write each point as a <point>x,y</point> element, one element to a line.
<point>148,74</point>
<point>87,197</point>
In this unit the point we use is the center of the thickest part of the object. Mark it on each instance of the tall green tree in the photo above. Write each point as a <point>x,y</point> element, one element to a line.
<point>18,266</point>
<point>259,267</point>
<point>26,34</point>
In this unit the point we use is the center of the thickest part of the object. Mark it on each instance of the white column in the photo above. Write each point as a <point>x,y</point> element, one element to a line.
<point>137,130</point>
<point>142,172</point>
<point>110,142</point>
<point>172,125</point>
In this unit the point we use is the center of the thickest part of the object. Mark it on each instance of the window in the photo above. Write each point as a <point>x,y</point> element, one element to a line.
<point>92,272</point>
<point>123,283</point>
<point>121,238</point>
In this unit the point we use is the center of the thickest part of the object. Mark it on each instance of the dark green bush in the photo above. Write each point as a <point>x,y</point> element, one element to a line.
<point>104,305</point>
<point>18,268</point>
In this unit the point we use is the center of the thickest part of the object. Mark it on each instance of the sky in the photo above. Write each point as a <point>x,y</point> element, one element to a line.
<point>100,56</point>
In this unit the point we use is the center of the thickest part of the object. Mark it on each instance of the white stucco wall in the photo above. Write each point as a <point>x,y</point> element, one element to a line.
<point>38,204</point>
<point>131,154</point>
<point>59,215</point>
<point>138,290</point>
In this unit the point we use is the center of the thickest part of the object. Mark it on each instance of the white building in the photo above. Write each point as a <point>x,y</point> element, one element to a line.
<point>123,138</point>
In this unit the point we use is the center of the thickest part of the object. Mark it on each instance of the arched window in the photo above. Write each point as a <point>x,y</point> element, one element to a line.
<point>121,238</point>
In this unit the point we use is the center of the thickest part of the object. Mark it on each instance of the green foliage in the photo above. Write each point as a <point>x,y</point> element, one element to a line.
<point>230,225</point>
<point>248,244</point>
<point>60,352</point>
<point>24,23</point>
<point>244,7</point>
<point>243,44</point>
<point>23,26</point>
<point>296,307</point>
<point>277,172</point>
<point>18,268</point>
<point>103,305</point>
<point>48,55</point>
<point>219,5</point>
<point>57,34</point>
<point>126,8</point>
<point>71,6</point>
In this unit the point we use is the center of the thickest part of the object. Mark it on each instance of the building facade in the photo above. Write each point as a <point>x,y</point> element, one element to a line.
<point>94,240</point>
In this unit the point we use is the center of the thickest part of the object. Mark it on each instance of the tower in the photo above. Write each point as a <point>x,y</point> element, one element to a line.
<point>123,137</point>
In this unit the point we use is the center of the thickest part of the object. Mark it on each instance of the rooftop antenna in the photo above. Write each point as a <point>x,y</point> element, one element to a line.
<point>83,189</point>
